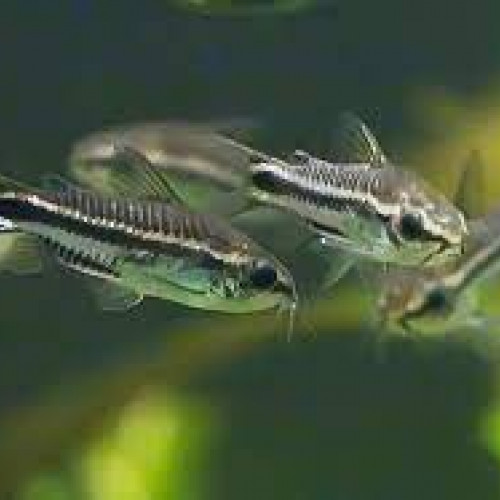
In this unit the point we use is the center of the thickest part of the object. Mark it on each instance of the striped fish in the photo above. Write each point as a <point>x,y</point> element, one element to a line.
<point>445,298</point>
<point>141,247</point>
<point>362,204</point>
<point>365,204</point>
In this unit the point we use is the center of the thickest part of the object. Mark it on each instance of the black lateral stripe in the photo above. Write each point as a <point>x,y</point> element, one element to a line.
<point>273,184</point>
<point>22,210</point>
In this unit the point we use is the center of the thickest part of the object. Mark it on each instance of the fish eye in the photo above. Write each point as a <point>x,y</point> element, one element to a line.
<point>436,300</point>
<point>263,276</point>
<point>410,227</point>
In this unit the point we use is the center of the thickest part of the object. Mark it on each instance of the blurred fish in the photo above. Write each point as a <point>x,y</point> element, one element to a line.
<point>202,159</point>
<point>206,167</point>
<point>446,298</point>
<point>135,245</point>
<point>364,204</point>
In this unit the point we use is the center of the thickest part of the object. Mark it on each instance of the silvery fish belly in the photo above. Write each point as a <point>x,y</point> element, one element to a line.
<point>133,248</point>
<point>364,204</point>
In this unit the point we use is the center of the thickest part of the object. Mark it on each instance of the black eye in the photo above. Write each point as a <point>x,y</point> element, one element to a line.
<point>437,301</point>
<point>410,227</point>
<point>263,276</point>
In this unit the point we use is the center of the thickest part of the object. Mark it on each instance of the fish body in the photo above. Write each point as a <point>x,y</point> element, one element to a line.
<point>149,248</point>
<point>385,213</point>
<point>361,203</point>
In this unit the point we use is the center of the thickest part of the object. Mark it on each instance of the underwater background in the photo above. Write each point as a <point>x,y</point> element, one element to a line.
<point>164,402</point>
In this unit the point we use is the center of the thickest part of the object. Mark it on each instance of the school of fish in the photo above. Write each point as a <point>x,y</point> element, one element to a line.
<point>187,213</point>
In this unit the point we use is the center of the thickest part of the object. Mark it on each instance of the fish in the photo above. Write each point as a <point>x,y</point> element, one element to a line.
<point>359,206</point>
<point>203,159</point>
<point>205,165</point>
<point>364,204</point>
<point>446,298</point>
<point>130,247</point>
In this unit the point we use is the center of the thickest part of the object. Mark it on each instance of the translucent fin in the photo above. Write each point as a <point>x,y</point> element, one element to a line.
<point>353,142</point>
<point>56,183</point>
<point>19,253</point>
<point>469,197</point>
<point>134,176</point>
<point>340,263</point>
<point>110,296</point>
<point>276,230</point>
<point>372,276</point>
<point>9,184</point>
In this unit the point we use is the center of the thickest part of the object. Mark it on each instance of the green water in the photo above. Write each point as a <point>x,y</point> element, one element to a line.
<point>87,398</point>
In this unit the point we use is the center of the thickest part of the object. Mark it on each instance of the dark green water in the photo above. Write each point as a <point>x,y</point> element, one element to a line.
<point>322,419</point>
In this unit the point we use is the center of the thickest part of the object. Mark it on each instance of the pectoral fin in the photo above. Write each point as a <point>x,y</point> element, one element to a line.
<point>19,253</point>
<point>339,264</point>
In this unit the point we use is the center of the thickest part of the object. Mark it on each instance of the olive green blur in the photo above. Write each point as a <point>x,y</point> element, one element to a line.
<point>169,403</point>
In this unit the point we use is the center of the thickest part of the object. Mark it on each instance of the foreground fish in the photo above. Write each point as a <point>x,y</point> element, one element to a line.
<point>141,247</point>
<point>206,168</point>
<point>446,298</point>
<point>364,204</point>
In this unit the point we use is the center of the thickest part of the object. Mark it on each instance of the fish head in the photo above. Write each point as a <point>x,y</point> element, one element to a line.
<point>427,223</point>
<point>420,302</point>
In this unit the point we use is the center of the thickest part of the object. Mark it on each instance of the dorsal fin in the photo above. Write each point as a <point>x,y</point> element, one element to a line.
<point>136,177</point>
<point>299,157</point>
<point>469,196</point>
<point>353,142</point>
<point>133,176</point>
<point>57,183</point>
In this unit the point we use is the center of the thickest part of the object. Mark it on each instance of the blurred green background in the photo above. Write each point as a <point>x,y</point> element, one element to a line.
<point>169,403</point>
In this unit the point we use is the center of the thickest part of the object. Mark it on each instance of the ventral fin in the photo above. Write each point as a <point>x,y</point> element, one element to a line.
<point>19,253</point>
<point>353,142</point>
<point>110,296</point>
<point>469,197</point>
